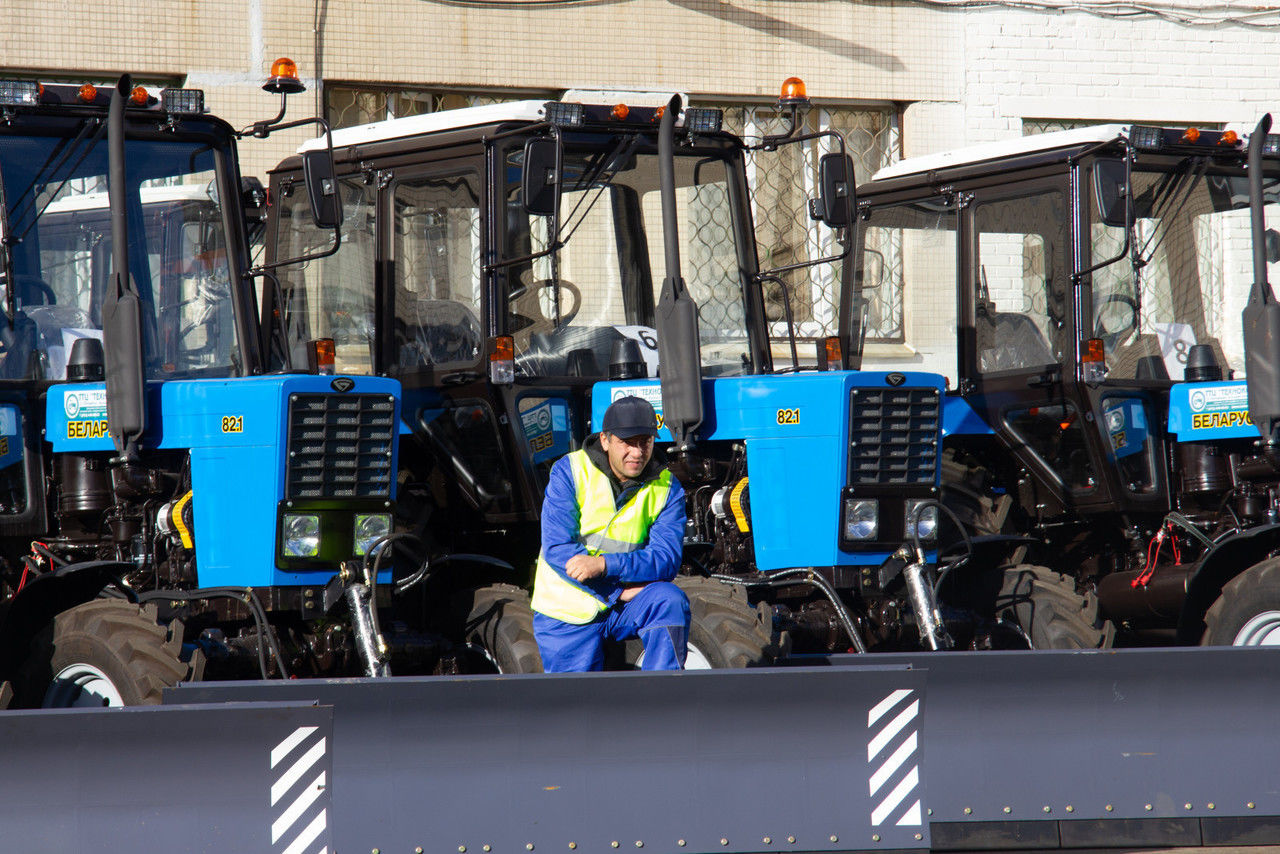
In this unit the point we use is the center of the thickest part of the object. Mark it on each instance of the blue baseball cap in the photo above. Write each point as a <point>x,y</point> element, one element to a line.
<point>630,416</point>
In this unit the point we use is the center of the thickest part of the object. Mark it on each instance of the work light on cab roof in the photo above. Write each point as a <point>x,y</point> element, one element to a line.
<point>580,108</point>
<point>1147,138</point>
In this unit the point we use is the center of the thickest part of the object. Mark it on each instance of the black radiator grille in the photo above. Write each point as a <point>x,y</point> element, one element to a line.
<point>893,436</point>
<point>340,446</point>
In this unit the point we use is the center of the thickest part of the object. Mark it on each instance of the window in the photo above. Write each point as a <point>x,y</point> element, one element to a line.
<point>913,242</point>
<point>437,271</point>
<point>330,297</point>
<point>782,182</point>
<point>1020,299</point>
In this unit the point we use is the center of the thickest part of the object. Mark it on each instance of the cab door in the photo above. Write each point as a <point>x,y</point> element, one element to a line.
<point>1018,368</point>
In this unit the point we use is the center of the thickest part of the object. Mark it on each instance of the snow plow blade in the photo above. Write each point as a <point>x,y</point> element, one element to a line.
<point>732,761</point>
<point>210,779</point>
<point>1099,749</point>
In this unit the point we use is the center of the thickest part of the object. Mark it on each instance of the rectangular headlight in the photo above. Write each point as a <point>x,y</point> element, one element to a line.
<point>301,535</point>
<point>860,519</point>
<point>182,101</point>
<point>369,529</point>
<point>922,516</point>
<point>1143,136</point>
<point>19,93</point>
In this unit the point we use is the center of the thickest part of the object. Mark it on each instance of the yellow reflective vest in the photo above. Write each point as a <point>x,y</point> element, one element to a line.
<point>602,529</point>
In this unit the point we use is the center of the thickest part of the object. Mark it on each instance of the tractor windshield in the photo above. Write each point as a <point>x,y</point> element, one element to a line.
<point>1185,278</point>
<point>57,228</point>
<point>567,309</point>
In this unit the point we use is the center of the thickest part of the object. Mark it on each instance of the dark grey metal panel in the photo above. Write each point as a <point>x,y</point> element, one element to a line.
<point>1123,734</point>
<point>732,761</point>
<point>241,777</point>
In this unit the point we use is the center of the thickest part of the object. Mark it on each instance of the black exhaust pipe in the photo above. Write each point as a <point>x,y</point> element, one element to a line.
<point>1261,314</point>
<point>679,346</point>
<point>122,306</point>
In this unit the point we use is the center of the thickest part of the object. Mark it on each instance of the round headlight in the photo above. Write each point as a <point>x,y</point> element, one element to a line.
<point>301,536</point>
<point>861,520</point>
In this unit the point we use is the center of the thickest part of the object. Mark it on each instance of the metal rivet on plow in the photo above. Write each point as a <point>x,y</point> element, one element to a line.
<point>1147,807</point>
<point>1186,806</point>
<point>929,811</point>
<point>724,841</point>
<point>680,842</point>
<point>487,848</point>
<point>968,810</point>
<point>418,850</point>
<point>528,846</point>
<point>1109,808</point>
<point>1210,806</point>
<point>462,849</point>
<point>1070,808</point>
<point>919,836</point>
<point>573,846</point>
<point>639,844</point>
<point>1048,809</point>
<point>614,844</point>
<point>1251,805</point>
<point>768,840</point>
<point>791,839</point>
<point>875,837</point>
<point>835,838</point>
<point>1008,809</point>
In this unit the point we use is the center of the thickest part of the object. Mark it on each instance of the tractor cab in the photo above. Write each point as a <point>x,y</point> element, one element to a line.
<point>1098,270</point>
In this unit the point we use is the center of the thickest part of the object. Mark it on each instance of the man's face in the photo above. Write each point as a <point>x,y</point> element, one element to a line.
<point>627,457</point>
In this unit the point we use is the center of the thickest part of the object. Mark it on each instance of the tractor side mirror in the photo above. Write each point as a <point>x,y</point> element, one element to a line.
<point>837,196</point>
<point>322,187</point>
<point>1110,192</point>
<point>541,179</point>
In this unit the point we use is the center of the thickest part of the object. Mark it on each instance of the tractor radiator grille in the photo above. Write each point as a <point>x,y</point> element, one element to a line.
<point>340,446</point>
<point>893,436</point>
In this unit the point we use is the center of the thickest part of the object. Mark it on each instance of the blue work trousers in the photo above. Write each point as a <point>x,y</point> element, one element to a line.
<point>658,615</point>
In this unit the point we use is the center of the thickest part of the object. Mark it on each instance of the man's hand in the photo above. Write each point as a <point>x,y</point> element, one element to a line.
<point>584,567</point>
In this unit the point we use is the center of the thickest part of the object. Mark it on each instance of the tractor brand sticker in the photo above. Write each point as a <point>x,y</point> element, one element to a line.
<point>87,429</point>
<point>1226,406</point>
<point>789,416</point>
<point>85,405</point>
<point>233,424</point>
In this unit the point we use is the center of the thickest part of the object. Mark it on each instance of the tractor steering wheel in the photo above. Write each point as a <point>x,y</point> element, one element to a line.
<point>535,319</point>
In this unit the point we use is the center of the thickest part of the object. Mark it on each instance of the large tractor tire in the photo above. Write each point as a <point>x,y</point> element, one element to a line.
<point>500,628</point>
<point>725,630</point>
<point>1247,612</point>
<point>1046,606</point>
<point>103,653</point>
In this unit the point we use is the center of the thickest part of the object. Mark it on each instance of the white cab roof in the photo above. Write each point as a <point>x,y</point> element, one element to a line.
<point>150,195</point>
<point>1004,148</point>
<point>510,111</point>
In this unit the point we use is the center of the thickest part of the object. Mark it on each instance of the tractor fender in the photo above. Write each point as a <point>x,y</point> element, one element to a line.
<point>1227,559</point>
<point>46,596</point>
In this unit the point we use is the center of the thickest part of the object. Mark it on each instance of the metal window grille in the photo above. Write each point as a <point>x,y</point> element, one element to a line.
<point>782,182</point>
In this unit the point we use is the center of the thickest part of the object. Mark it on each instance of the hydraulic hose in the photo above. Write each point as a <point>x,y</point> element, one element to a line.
<point>807,575</point>
<point>241,594</point>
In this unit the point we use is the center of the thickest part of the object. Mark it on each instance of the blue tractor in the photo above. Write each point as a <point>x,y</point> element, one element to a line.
<point>517,266</point>
<point>170,508</point>
<point>1111,430</point>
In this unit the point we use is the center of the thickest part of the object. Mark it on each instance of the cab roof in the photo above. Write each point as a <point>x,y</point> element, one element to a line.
<point>443,120</point>
<point>1005,148</point>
